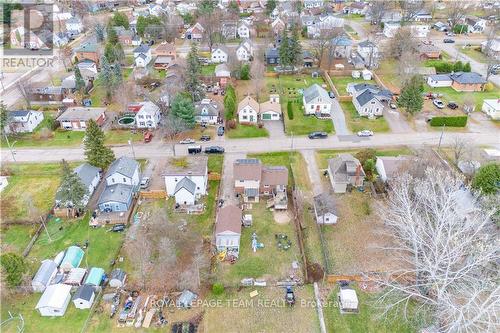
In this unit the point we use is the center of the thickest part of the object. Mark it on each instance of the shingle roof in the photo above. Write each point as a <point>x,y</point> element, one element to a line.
<point>344,166</point>
<point>247,169</point>
<point>228,219</point>
<point>208,106</point>
<point>248,101</point>
<point>341,41</point>
<point>143,48</point>
<point>116,193</point>
<point>87,173</point>
<point>87,47</point>
<point>19,113</point>
<point>275,175</point>
<point>84,292</point>
<point>81,113</point>
<point>440,77</point>
<point>367,43</point>
<point>123,165</point>
<point>467,78</point>
<point>272,52</point>
<point>196,166</point>
<point>315,91</point>
<point>365,97</point>
<point>324,204</point>
<point>187,184</point>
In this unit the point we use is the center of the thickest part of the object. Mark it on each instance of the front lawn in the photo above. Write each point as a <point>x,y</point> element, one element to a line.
<point>450,94</point>
<point>208,70</point>
<point>473,52</point>
<point>341,83</point>
<point>122,136</point>
<point>357,123</point>
<point>246,131</point>
<point>302,124</point>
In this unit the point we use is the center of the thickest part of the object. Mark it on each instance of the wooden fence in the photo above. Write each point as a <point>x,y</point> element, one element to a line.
<point>332,278</point>
<point>153,194</point>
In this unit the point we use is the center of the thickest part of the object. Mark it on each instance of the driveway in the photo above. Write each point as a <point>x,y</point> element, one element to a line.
<point>397,122</point>
<point>227,192</point>
<point>338,119</point>
<point>313,171</point>
<point>275,128</point>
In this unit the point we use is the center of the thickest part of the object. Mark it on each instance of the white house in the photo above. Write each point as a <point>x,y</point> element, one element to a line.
<point>248,110</point>
<point>90,177</point>
<point>316,101</point>
<point>388,167</point>
<point>243,30</point>
<point>324,209</point>
<point>195,32</point>
<point>491,48</point>
<point>84,296</point>
<point>54,301</point>
<point>74,24</point>
<point>206,112</point>
<point>23,121</point>
<point>123,170</point>
<point>369,52</point>
<point>244,51</point>
<point>142,55</point>
<point>492,108</point>
<point>188,182</point>
<point>308,4</point>
<point>439,80</point>
<point>147,115</point>
<point>368,99</point>
<point>271,109</point>
<point>220,55</point>
<point>475,25</point>
<point>390,29</point>
<point>228,230</point>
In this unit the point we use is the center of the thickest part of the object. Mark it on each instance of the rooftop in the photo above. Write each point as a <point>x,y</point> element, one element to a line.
<point>194,166</point>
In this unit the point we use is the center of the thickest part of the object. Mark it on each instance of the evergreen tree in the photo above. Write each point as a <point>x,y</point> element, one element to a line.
<point>295,48</point>
<point>487,179</point>
<point>117,74</point>
<point>14,268</point>
<point>467,67</point>
<point>119,52</point>
<point>245,72</point>
<point>284,51</point>
<point>79,82</point>
<point>109,52</point>
<point>183,108</point>
<point>99,32</point>
<point>106,76</point>
<point>193,71</point>
<point>270,6</point>
<point>411,95</point>
<point>206,7</point>
<point>3,118</point>
<point>96,153</point>
<point>112,36</point>
<point>120,19</point>
<point>72,191</point>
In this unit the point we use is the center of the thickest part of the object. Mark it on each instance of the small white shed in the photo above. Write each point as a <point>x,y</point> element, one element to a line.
<point>84,297</point>
<point>367,75</point>
<point>54,300</point>
<point>348,300</point>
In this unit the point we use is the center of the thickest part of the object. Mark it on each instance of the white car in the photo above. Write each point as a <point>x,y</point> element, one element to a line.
<point>145,182</point>
<point>365,133</point>
<point>438,103</point>
<point>186,141</point>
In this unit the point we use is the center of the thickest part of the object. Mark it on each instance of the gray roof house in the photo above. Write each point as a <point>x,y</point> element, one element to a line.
<point>324,209</point>
<point>369,99</point>
<point>116,198</point>
<point>317,101</point>
<point>206,112</point>
<point>272,56</point>
<point>123,170</point>
<point>45,273</point>
<point>89,176</point>
<point>84,296</point>
<point>345,170</point>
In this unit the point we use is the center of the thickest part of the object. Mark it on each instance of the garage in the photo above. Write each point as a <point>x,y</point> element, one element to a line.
<point>266,116</point>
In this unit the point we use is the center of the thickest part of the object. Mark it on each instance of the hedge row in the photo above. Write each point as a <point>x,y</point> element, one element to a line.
<point>289,110</point>
<point>459,121</point>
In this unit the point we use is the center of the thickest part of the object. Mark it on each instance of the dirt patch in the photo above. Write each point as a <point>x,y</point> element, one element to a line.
<point>281,217</point>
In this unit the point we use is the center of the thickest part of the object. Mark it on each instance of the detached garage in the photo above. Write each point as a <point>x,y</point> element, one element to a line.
<point>54,300</point>
<point>271,110</point>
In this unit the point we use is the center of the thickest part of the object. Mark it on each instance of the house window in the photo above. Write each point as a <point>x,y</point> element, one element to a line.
<point>312,107</point>
<point>124,180</point>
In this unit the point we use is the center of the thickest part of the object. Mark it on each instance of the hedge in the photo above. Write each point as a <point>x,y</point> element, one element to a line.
<point>289,110</point>
<point>459,121</point>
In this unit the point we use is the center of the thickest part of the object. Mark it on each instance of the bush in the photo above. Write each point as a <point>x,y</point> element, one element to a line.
<point>489,87</point>
<point>487,179</point>
<point>289,110</point>
<point>460,121</point>
<point>14,267</point>
<point>245,72</point>
<point>217,288</point>
<point>231,124</point>
<point>460,29</point>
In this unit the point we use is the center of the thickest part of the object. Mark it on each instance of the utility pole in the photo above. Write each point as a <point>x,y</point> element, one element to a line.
<point>441,137</point>
<point>10,147</point>
<point>131,146</point>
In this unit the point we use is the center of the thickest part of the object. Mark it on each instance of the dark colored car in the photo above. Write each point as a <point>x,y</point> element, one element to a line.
<point>118,227</point>
<point>331,94</point>
<point>318,135</point>
<point>452,105</point>
<point>220,131</point>
<point>448,41</point>
<point>214,150</point>
<point>205,138</point>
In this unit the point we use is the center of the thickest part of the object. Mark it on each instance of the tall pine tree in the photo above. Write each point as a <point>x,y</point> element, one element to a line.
<point>72,191</point>
<point>106,76</point>
<point>193,71</point>
<point>96,153</point>
<point>182,108</point>
<point>117,74</point>
<point>294,47</point>
<point>79,82</point>
<point>411,95</point>
<point>284,51</point>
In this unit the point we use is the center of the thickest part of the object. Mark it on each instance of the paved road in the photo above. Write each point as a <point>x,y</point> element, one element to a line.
<point>160,149</point>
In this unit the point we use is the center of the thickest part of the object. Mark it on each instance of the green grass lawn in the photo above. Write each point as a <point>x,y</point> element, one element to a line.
<point>357,123</point>
<point>29,183</point>
<point>368,319</point>
<point>450,94</point>
<point>208,70</point>
<point>126,73</point>
<point>473,52</point>
<point>302,124</point>
<point>351,32</point>
<point>122,136</point>
<point>341,83</point>
<point>322,156</point>
<point>247,131</point>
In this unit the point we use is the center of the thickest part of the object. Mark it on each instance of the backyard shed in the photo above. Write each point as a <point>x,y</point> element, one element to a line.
<point>186,299</point>
<point>117,278</point>
<point>44,275</point>
<point>72,258</point>
<point>54,301</point>
<point>324,209</point>
<point>75,276</point>
<point>348,300</point>
<point>95,276</point>
<point>84,296</point>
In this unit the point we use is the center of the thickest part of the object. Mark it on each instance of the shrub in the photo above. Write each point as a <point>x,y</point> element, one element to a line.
<point>487,179</point>
<point>231,124</point>
<point>459,121</point>
<point>289,110</point>
<point>217,288</point>
<point>489,87</point>
<point>245,72</point>
<point>460,29</point>
<point>14,267</point>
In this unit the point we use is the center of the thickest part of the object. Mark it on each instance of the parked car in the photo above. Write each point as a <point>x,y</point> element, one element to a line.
<point>318,135</point>
<point>220,131</point>
<point>214,150</point>
<point>118,227</point>
<point>145,182</point>
<point>365,133</point>
<point>186,141</point>
<point>331,94</point>
<point>393,105</point>
<point>438,103</point>
<point>495,70</point>
<point>205,138</point>
<point>148,136</point>
<point>448,41</point>
<point>194,149</point>
<point>452,105</point>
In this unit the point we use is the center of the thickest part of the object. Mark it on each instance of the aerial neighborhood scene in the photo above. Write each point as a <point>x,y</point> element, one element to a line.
<point>250,166</point>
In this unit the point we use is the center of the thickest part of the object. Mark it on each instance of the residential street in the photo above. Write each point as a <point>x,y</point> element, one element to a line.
<point>159,149</point>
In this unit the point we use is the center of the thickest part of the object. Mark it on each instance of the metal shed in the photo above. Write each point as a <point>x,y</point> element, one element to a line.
<point>95,276</point>
<point>72,258</point>
<point>44,275</point>
<point>117,278</point>
<point>186,299</point>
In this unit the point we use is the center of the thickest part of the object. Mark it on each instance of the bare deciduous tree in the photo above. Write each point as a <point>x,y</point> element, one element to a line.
<point>377,10</point>
<point>448,252</point>
<point>491,60</point>
<point>408,64</point>
<point>24,87</point>
<point>257,70</point>
<point>456,11</point>
<point>403,41</point>
<point>140,254</point>
<point>321,44</point>
<point>410,9</point>
<point>460,149</point>
<point>212,23</point>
